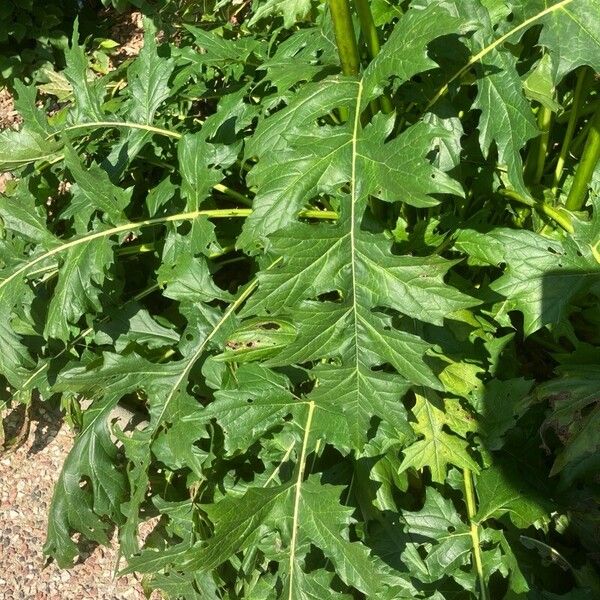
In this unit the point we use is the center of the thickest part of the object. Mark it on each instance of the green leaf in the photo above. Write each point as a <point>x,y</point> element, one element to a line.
<point>322,521</point>
<point>311,52</point>
<point>357,265</point>
<point>82,273</point>
<point>318,159</point>
<point>22,217</point>
<point>506,117</point>
<point>541,276</point>
<point>149,78</point>
<point>257,339</point>
<point>161,384</point>
<point>248,405</point>
<point>315,586</point>
<point>437,449</point>
<point>25,103</point>
<point>574,414</point>
<point>20,148</point>
<point>91,486</point>
<point>149,87</point>
<point>405,52</point>
<point>503,491</point>
<point>292,10</point>
<point>503,560</point>
<point>201,165</point>
<point>16,362</point>
<point>539,84</point>
<point>93,191</point>
<point>570,32</point>
<point>135,324</point>
<point>87,89</point>
<point>438,527</point>
<point>184,271</point>
<point>237,522</point>
<point>220,52</point>
<point>503,403</point>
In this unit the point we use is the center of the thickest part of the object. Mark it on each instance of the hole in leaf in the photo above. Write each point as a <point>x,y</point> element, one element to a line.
<point>332,296</point>
<point>269,326</point>
<point>184,228</point>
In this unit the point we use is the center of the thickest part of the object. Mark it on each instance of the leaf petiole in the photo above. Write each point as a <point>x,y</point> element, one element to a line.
<point>544,123</point>
<point>127,227</point>
<point>126,124</point>
<point>561,217</point>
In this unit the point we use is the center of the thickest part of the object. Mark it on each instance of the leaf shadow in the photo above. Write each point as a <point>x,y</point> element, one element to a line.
<point>525,453</point>
<point>48,420</point>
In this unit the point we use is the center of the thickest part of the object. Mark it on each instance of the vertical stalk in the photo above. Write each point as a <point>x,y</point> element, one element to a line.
<point>367,26</point>
<point>544,122</point>
<point>536,156</point>
<point>471,511</point>
<point>589,159</point>
<point>344,36</point>
<point>369,31</point>
<point>564,149</point>
<point>579,139</point>
<point>345,40</point>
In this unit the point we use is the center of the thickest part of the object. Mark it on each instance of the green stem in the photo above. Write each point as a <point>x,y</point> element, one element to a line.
<point>588,109</point>
<point>544,122</point>
<point>573,116</point>
<point>345,41</point>
<point>580,139</point>
<point>219,187</point>
<point>371,37</point>
<point>471,512</point>
<point>126,124</point>
<point>344,36</point>
<point>318,214</point>
<point>367,26</point>
<point>589,159</point>
<point>556,214</point>
<point>137,249</point>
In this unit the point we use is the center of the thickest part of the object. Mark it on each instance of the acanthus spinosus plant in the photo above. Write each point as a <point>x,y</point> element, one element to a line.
<point>338,262</point>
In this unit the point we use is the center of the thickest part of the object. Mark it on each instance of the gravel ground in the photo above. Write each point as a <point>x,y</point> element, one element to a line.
<point>27,477</point>
<point>9,118</point>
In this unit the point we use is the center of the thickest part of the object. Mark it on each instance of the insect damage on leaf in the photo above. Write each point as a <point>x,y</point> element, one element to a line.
<point>257,339</point>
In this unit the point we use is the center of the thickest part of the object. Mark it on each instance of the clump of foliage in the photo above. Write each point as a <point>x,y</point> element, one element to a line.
<point>35,34</point>
<point>341,266</point>
<point>32,34</point>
